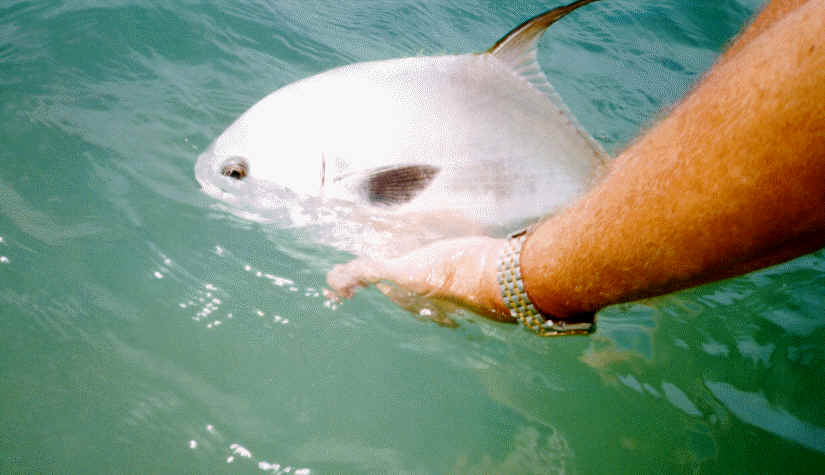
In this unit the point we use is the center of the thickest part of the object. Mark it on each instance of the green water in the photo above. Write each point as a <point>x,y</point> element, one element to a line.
<point>146,330</point>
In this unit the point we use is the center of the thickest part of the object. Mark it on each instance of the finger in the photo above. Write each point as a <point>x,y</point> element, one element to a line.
<point>422,307</point>
<point>341,282</point>
<point>344,279</point>
<point>331,296</point>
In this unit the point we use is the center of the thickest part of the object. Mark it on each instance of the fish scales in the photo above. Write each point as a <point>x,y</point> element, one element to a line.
<point>480,135</point>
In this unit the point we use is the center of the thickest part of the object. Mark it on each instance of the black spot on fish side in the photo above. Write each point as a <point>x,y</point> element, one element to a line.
<point>398,185</point>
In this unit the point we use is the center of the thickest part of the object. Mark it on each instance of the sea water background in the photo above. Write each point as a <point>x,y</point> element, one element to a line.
<point>144,329</point>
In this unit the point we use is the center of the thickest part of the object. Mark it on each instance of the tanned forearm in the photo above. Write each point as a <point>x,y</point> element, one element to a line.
<point>774,11</point>
<point>732,179</point>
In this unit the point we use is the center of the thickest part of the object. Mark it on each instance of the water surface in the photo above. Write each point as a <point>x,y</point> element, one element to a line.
<point>146,329</point>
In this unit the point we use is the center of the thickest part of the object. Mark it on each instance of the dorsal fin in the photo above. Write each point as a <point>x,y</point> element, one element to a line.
<point>522,40</point>
<point>517,50</point>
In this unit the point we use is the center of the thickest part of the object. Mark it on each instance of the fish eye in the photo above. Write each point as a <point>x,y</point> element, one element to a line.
<point>235,167</point>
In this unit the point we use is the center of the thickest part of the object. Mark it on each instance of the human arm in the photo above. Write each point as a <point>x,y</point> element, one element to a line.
<point>732,180</point>
<point>772,12</point>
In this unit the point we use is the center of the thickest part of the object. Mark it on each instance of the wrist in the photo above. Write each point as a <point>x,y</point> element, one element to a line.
<point>474,279</point>
<point>519,304</point>
<point>491,288</point>
<point>541,279</point>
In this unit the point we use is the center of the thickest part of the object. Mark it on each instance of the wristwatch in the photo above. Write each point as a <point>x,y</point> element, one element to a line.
<point>518,302</point>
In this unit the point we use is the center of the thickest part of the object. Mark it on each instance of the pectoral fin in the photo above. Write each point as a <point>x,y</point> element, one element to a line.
<point>396,185</point>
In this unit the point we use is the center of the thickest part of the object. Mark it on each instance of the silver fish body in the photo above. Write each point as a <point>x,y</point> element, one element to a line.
<point>483,136</point>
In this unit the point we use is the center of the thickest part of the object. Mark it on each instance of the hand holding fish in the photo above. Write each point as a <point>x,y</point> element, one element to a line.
<point>731,181</point>
<point>456,270</point>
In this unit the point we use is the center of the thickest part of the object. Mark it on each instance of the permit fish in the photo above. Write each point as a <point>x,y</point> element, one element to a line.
<point>481,137</point>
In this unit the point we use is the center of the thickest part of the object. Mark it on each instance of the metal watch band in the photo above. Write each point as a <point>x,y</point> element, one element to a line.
<point>515,297</point>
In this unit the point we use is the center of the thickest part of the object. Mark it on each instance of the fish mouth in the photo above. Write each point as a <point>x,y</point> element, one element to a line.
<point>235,167</point>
